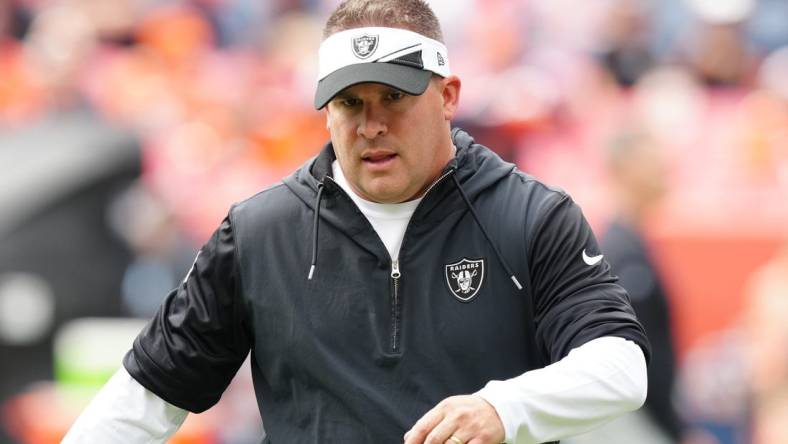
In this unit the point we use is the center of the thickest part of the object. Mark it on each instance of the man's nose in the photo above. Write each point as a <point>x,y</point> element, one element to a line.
<point>373,122</point>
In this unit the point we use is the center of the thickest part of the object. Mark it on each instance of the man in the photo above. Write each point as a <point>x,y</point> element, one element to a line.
<point>404,285</point>
<point>637,167</point>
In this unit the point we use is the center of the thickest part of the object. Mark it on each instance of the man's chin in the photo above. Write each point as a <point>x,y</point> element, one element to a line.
<point>385,195</point>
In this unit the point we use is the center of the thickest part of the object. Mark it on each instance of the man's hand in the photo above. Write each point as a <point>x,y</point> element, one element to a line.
<point>467,419</point>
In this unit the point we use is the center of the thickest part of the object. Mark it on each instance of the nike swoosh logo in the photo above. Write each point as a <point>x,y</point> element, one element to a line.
<point>591,260</point>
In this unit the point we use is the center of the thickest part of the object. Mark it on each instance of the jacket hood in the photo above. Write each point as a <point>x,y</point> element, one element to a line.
<point>473,169</point>
<point>475,166</point>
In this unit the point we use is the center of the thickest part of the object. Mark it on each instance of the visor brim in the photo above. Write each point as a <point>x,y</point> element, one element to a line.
<point>407,79</point>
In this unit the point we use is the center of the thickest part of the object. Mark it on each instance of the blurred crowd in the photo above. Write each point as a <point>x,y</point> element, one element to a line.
<point>219,86</point>
<point>169,111</point>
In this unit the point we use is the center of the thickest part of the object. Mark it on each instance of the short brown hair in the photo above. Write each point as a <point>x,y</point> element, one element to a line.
<point>413,15</point>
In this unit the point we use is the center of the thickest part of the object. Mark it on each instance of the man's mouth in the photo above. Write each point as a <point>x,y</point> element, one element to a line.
<point>378,158</point>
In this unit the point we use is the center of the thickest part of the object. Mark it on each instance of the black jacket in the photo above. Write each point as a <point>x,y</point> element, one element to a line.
<point>355,355</point>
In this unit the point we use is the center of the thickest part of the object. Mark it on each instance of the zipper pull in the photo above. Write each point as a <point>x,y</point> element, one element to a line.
<point>395,274</point>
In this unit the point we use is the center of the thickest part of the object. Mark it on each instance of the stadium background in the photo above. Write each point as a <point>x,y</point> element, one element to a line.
<point>127,128</point>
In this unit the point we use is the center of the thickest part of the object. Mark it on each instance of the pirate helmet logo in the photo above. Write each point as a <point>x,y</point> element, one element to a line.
<point>464,278</point>
<point>365,45</point>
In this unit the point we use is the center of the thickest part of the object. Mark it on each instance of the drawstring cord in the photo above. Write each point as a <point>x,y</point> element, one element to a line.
<point>314,229</point>
<point>315,224</point>
<point>486,236</point>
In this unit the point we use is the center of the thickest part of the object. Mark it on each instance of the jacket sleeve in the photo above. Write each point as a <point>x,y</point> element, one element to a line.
<point>189,352</point>
<point>576,299</point>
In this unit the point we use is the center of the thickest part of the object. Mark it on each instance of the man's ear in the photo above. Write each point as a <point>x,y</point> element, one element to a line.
<point>450,91</point>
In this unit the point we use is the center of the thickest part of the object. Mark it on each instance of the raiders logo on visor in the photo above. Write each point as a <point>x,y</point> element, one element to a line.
<point>365,45</point>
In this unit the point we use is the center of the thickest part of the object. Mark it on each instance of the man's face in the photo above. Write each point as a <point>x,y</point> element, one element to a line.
<point>390,145</point>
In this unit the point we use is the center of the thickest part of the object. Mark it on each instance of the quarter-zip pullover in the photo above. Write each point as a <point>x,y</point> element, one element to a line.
<point>490,282</point>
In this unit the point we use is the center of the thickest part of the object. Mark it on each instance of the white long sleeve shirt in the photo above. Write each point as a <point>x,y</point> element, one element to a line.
<point>125,412</point>
<point>595,383</point>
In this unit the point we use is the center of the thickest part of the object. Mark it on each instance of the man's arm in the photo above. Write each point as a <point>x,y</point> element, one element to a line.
<point>125,412</point>
<point>577,304</point>
<point>595,383</point>
<point>191,349</point>
<point>182,360</point>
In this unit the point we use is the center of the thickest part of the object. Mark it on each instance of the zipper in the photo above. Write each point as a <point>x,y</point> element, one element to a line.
<point>395,309</point>
<point>437,181</point>
<point>396,277</point>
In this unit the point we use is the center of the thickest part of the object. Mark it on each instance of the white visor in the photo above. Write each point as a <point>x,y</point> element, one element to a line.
<point>392,56</point>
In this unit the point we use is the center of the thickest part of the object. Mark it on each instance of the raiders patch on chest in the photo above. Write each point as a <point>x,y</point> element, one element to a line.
<point>465,278</point>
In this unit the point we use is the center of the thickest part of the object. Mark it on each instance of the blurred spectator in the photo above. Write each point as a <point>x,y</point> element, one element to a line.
<point>716,47</point>
<point>14,20</point>
<point>719,56</point>
<point>626,44</point>
<point>161,253</point>
<point>638,171</point>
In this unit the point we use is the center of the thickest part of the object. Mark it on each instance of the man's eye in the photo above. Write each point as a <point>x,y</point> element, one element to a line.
<point>350,102</point>
<point>396,95</point>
